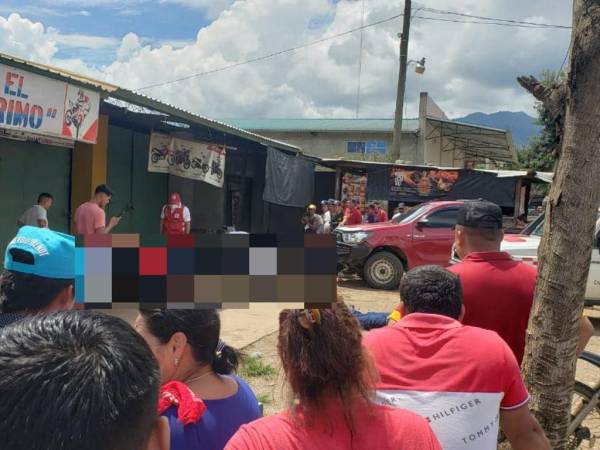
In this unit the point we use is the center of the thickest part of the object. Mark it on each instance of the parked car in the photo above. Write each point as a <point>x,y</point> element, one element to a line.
<point>381,252</point>
<point>524,246</point>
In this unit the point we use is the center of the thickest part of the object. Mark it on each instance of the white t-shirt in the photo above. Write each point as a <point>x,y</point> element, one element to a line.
<point>326,217</point>
<point>33,214</point>
<point>186,213</point>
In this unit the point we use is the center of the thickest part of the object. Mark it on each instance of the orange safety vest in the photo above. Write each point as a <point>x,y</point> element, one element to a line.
<point>173,221</point>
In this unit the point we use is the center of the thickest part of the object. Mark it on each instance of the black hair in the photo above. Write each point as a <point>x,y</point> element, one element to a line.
<point>483,234</point>
<point>201,328</point>
<point>76,380</point>
<point>20,292</point>
<point>432,290</point>
<point>103,189</point>
<point>43,196</point>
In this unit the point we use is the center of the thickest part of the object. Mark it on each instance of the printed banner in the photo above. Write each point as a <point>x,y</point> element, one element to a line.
<point>407,184</point>
<point>40,105</point>
<point>188,159</point>
<point>354,187</point>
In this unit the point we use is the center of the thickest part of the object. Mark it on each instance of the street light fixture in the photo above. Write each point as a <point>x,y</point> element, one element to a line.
<point>420,65</point>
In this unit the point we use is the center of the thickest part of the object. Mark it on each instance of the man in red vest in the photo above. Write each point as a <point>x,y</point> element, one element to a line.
<point>175,217</point>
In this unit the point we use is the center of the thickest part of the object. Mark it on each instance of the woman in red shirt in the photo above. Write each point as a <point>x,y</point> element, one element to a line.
<point>332,379</point>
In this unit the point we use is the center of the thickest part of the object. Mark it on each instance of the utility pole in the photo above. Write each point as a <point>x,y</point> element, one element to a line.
<point>395,153</point>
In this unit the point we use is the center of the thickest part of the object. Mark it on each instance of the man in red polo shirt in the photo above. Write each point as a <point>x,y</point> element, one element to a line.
<point>498,291</point>
<point>352,215</point>
<point>464,380</point>
<point>380,212</point>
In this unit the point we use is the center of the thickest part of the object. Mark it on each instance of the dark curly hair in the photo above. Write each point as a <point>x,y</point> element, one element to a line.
<point>325,359</point>
<point>432,290</point>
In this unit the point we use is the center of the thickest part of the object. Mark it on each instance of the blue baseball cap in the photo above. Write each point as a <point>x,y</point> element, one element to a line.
<point>52,253</point>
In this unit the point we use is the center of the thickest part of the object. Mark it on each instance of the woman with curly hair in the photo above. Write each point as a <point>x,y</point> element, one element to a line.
<point>332,379</point>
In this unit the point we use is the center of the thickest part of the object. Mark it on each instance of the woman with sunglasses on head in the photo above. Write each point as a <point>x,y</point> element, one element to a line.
<point>332,379</point>
<point>204,402</point>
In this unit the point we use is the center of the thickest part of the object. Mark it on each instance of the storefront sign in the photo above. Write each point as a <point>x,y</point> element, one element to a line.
<point>40,105</point>
<point>188,159</point>
<point>407,184</point>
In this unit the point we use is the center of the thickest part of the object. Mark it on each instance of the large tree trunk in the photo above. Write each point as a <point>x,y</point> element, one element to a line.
<point>566,246</point>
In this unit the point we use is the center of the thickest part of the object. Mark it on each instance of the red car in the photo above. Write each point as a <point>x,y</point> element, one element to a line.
<point>381,252</point>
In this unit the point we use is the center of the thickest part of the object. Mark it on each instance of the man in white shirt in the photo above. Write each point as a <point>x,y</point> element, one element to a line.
<point>37,215</point>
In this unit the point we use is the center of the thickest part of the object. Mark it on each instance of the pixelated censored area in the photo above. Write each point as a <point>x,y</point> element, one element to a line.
<point>204,271</point>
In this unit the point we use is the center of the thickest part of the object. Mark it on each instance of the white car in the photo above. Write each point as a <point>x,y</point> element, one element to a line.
<point>524,246</point>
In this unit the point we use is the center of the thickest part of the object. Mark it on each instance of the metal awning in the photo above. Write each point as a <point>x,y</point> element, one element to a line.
<point>472,143</point>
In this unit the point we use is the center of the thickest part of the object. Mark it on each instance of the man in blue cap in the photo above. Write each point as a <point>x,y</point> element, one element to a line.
<point>39,274</point>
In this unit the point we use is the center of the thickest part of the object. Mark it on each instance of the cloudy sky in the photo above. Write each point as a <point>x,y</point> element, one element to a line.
<point>138,43</point>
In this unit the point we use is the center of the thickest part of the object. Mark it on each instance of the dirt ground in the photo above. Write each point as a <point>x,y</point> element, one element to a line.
<point>273,391</point>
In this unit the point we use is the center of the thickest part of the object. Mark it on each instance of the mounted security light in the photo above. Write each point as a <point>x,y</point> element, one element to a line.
<point>420,65</point>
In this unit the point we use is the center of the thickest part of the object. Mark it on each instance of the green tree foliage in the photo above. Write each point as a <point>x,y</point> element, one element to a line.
<point>540,153</point>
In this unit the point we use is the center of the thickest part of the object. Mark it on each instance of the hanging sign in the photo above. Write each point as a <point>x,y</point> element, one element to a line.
<point>188,159</point>
<point>36,104</point>
<point>354,187</point>
<point>408,184</point>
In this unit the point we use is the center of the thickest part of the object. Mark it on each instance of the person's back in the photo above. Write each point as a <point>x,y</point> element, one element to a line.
<point>39,274</point>
<point>464,380</point>
<point>78,380</point>
<point>332,380</point>
<point>456,377</point>
<point>498,294</point>
<point>380,428</point>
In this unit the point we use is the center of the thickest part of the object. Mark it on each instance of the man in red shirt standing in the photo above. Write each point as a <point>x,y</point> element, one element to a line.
<point>464,380</point>
<point>380,212</point>
<point>175,217</point>
<point>90,217</point>
<point>352,215</point>
<point>498,291</point>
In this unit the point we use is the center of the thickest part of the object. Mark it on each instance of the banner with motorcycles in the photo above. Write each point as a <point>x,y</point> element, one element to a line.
<point>188,159</point>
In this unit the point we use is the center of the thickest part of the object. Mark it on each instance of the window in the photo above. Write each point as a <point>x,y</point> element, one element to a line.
<point>355,147</point>
<point>445,218</point>
<point>375,147</point>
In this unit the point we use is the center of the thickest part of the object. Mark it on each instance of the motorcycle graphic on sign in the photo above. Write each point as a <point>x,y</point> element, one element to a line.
<point>188,159</point>
<point>80,120</point>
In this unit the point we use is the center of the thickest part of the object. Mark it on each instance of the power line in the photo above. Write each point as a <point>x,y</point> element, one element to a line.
<point>482,20</point>
<point>495,19</point>
<point>270,55</point>
<point>360,54</point>
<point>513,25</point>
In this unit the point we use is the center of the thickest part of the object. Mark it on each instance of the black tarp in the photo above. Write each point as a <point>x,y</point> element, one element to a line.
<point>289,180</point>
<point>471,184</point>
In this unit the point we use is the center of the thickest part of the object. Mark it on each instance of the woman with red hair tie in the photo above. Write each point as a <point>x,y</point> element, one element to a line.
<point>332,380</point>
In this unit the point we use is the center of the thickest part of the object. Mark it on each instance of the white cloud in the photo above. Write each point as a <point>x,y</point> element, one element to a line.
<point>81,40</point>
<point>129,46</point>
<point>470,67</point>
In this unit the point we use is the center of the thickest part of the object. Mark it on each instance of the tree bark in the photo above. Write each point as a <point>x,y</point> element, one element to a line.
<point>566,245</point>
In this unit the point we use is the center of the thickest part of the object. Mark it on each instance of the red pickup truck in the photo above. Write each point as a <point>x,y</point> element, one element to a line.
<point>381,252</point>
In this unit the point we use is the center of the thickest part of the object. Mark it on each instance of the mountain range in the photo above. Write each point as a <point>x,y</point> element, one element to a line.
<point>521,125</point>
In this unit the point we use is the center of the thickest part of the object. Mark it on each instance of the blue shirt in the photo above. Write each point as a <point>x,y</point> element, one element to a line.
<point>219,422</point>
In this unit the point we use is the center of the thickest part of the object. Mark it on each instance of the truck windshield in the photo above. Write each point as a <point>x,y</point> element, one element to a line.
<point>410,215</point>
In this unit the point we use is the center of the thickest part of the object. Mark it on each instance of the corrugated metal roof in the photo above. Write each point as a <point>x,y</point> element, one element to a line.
<point>323,125</point>
<point>141,100</point>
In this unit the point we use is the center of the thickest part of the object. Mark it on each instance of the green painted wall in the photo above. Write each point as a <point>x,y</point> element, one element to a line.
<point>26,170</point>
<point>128,176</point>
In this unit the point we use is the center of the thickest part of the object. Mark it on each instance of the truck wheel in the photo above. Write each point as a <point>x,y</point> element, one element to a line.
<point>383,270</point>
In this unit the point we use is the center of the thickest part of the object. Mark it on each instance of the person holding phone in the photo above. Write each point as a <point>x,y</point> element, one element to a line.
<point>90,217</point>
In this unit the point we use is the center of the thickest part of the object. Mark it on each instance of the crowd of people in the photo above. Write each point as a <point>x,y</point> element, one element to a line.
<point>336,213</point>
<point>441,372</point>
